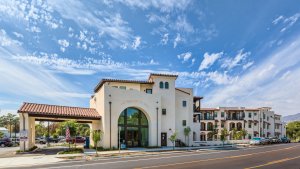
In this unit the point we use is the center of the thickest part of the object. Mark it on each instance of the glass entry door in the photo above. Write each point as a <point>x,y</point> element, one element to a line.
<point>132,137</point>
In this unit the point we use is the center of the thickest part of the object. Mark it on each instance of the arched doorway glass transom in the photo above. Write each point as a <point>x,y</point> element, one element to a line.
<point>133,125</point>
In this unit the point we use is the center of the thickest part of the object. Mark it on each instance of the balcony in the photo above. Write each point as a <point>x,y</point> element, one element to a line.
<point>235,118</point>
<point>207,118</point>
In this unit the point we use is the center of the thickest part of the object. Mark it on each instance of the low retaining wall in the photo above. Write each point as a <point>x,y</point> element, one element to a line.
<point>217,143</point>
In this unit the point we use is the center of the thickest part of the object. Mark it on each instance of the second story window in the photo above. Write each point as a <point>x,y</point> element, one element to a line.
<point>149,91</point>
<point>215,114</point>
<point>123,87</point>
<point>166,85</point>
<point>183,122</point>
<point>250,115</point>
<point>163,111</point>
<point>184,103</point>
<point>222,114</point>
<point>255,114</point>
<point>161,85</point>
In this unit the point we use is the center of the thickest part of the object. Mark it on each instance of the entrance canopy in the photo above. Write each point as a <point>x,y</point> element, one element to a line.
<point>31,112</point>
<point>55,111</point>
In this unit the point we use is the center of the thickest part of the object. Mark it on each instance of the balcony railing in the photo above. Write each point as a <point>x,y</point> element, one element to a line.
<point>207,118</point>
<point>235,118</point>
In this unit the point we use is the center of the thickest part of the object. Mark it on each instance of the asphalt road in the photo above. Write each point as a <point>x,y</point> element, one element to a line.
<point>281,156</point>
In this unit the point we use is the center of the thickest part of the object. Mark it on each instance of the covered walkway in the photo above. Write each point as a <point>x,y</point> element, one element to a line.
<point>31,112</point>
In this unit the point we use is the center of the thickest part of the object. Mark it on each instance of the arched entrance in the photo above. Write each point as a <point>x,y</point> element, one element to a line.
<point>133,125</point>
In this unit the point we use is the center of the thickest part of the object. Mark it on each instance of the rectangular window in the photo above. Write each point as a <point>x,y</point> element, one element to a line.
<point>249,136</point>
<point>163,111</point>
<point>215,114</point>
<point>149,91</point>
<point>254,124</point>
<point>222,124</point>
<point>267,118</point>
<point>264,116</point>
<point>184,122</point>
<point>255,114</point>
<point>249,125</point>
<point>115,86</point>
<point>184,103</point>
<point>222,114</point>
<point>249,115</point>
<point>123,87</point>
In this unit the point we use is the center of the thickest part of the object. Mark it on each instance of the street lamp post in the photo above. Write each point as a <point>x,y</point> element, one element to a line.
<point>119,141</point>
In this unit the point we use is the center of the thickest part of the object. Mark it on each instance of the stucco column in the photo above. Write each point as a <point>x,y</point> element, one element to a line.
<point>94,126</point>
<point>27,124</point>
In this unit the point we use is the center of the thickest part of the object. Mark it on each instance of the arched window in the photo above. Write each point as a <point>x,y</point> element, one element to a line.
<point>167,85</point>
<point>134,128</point>
<point>161,85</point>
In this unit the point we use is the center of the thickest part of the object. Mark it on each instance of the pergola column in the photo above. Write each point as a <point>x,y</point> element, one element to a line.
<point>94,126</point>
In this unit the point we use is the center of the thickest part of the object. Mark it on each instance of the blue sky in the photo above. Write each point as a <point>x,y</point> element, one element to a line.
<point>234,53</point>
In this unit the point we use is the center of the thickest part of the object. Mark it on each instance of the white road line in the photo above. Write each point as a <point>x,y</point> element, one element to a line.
<point>158,158</point>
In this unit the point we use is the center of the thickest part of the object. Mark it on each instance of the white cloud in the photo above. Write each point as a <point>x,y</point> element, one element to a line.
<point>247,65</point>
<point>18,35</point>
<point>278,19</point>
<point>230,63</point>
<point>185,56</point>
<point>136,43</point>
<point>286,22</point>
<point>29,13</point>
<point>219,78</point>
<point>108,24</point>
<point>183,25</point>
<point>63,44</point>
<point>165,39</point>
<point>177,40</point>
<point>209,60</point>
<point>162,5</point>
<point>7,41</point>
<point>272,83</point>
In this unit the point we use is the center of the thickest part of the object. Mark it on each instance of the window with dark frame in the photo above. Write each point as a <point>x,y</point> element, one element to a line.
<point>163,111</point>
<point>183,122</point>
<point>222,114</point>
<point>161,85</point>
<point>166,85</point>
<point>149,91</point>
<point>184,103</point>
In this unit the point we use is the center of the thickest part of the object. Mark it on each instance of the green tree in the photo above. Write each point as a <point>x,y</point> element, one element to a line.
<point>40,129</point>
<point>173,138</point>
<point>224,135</point>
<point>97,136</point>
<point>235,134</point>
<point>293,130</point>
<point>243,133</point>
<point>187,132</point>
<point>1,134</point>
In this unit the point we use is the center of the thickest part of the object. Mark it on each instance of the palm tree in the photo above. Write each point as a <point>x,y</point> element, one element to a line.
<point>243,133</point>
<point>224,134</point>
<point>187,132</point>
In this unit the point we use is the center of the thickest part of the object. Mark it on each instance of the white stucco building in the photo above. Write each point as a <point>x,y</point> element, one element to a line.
<point>146,112</point>
<point>258,122</point>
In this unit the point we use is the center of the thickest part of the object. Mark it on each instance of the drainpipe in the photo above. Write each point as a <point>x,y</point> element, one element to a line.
<point>23,129</point>
<point>157,126</point>
<point>110,125</point>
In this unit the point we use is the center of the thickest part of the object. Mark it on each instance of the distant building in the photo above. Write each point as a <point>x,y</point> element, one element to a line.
<point>258,122</point>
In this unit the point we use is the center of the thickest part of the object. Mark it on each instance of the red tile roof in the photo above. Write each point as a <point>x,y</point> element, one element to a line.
<point>209,109</point>
<point>58,111</point>
<point>100,84</point>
